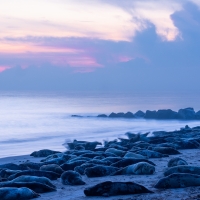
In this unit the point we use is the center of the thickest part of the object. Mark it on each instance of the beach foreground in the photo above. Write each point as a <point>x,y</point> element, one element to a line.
<point>76,192</point>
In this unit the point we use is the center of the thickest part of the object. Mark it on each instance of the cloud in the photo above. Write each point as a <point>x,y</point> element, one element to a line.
<point>145,63</point>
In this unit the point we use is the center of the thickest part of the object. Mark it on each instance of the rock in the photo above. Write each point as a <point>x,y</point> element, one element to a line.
<point>116,115</point>
<point>139,114</point>
<point>150,114</point>
<point>129,115</point>
<point>197,115</point>
<point>102,115</point>
<point>187,113</point>
<point>166,114</point>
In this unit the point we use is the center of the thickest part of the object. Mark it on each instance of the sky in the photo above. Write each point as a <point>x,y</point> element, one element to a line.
<point>100,45</point>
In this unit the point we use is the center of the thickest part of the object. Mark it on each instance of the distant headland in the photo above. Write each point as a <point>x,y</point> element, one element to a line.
<point>182,114</point>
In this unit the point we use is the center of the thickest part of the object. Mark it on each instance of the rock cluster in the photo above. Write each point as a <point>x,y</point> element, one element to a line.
<point>182,114</point>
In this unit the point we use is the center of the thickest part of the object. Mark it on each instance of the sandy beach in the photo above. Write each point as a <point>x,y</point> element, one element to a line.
<point>76,192</point>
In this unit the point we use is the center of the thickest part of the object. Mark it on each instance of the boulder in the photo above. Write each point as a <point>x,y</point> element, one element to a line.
<point>187,113</point>
<point>166,114</point>
<point>116,115</point>
<point>129,115</point>
<point>197,115</point>
<point>139,114</point>
<point>150,114</point>
<point>102,115</point>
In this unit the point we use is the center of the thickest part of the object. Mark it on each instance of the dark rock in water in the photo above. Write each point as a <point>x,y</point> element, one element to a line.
<point>197,115</point>
<point>43,153</point>
<point>71,178</point>
<point>129,115</point>
<point>187,113</point>
<point>109,188</point>
<point>102,115</point>
<point>150,114</point>
<point>100,171</point>
<point>76,116</point>
<point>116,115</point>
<point>139,114</point>
<point>166,114</point>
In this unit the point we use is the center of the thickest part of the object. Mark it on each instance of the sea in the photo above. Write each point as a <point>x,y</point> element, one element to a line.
<point>30,121</point>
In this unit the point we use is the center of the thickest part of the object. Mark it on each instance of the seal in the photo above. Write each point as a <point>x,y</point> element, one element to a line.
<point>50,175</point>
<point>151,154</point>
<point>109,188</point>
<point>35,186</point>
<point>5,173</point>
<point>178,180</point>
<point>176,161</point>
<point>112,159</point>
<point>99,162</point>
<point>81,169</point>
<point>166,150</point>
<point>52,168</point>
<point>141,168</point>
<point>90,155</point>
<point>72,165</point>
<point>129,161</point>
<point>12,166</point>
<point>134,155</point>
<point>37,179</point>
<point>100,171</point>
<point>182,169</point>
<point>71,178</point>
<point>8,193</point>
<point>43,153</point>
<point>116,152</point>
<point>31,165</point>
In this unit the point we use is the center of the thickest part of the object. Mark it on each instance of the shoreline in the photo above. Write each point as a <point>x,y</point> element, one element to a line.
<point>192,156</point>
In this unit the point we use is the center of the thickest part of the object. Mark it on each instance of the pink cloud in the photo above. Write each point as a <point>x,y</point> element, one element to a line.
<point>3,68</point>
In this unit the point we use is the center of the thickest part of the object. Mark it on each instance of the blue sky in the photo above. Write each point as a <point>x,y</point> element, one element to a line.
<point>116,46</point>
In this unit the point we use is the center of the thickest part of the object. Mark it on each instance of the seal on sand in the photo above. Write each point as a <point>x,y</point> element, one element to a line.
<point>37,179</point>
<point>35,186</point>
<point>176,161</point>
<point>99,171</point>
<point>183,169</point>
<point>178,181</point>
<point>47,174</point>
<point>141,168</point>
<point>129,161</point>
<point>109,188</point>
<point>52,168</point>
<point>72,178</point>
<point>17,193</point>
